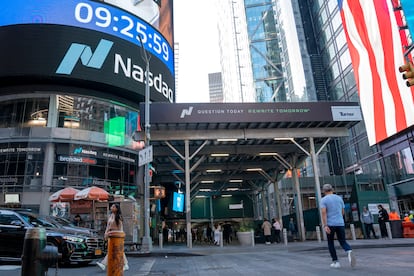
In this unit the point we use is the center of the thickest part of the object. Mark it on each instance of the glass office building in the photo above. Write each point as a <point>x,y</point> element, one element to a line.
<point>298,52</point>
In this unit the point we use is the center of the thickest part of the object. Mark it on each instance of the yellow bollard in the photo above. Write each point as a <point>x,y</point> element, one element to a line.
<point>115,265</point>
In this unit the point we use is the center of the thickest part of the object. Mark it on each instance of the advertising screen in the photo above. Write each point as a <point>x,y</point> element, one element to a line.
<point>115,131</point>
<point>95,43</point>
<point>178,202</point>
<point>408,8</point>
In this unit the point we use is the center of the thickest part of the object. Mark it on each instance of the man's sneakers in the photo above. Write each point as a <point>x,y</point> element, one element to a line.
<point>126,267</point>
<point>335,264</point>
<point>351,258</point>
<point>101,265</point>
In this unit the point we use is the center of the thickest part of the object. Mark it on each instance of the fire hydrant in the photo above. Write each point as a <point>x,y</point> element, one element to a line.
<point>115,253</point>
<point>37,256</point>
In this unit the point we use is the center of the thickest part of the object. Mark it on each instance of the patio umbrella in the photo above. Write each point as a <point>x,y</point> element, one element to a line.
<point>92,193</point>
<point>66,194</point>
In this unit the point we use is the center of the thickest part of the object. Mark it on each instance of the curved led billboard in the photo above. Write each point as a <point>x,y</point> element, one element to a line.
<point>90,44</point>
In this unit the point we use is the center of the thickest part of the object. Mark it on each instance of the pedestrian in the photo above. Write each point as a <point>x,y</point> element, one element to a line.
<point>267,230</point>
<point>292,229</point>
<point>217,234</point>
<point>277,228</point>
<point>77,220</point>
<point>165,231</point>
<point>368,219</point>
<point>332,208</point>
<point>227,230</point>
<point>114,224</point>
<point>183,234</point>
<point>209,234</point>
<point>411,216</point>
<point>393,215</point>
<point>382,219</point>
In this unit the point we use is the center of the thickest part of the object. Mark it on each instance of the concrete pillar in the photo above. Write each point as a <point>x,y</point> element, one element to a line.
<point>299,206</point>
<point>187,193</point>
<point>316,177</point>
<point>47,178</point>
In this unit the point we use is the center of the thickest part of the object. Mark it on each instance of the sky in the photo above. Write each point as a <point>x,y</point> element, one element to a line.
<point>195,29</point>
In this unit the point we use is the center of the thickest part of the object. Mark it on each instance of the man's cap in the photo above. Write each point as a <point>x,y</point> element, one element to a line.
<point>327,187</point>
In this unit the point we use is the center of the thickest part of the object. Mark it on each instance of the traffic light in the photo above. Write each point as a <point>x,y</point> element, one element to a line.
<point>408,70</point>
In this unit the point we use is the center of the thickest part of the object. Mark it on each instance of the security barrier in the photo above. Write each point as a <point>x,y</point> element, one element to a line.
<point>408,229</point>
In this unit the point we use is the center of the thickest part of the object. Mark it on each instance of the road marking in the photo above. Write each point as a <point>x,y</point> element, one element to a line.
<point>146,268</point>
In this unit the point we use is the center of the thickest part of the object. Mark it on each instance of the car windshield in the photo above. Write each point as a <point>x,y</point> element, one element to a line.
<point>35,221</point>
<point>62,221</point>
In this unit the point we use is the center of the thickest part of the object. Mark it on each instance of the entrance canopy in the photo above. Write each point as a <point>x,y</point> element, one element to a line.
<point>230,144</point>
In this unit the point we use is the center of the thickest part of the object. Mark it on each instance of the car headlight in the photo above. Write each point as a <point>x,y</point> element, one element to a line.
<point>73,239</point>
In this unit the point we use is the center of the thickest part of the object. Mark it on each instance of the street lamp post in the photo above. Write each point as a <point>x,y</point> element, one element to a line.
<point>146,240</point>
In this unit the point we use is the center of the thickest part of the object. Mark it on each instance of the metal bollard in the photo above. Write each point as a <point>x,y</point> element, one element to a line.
<point>252,232</point>
<point>115,253</point>
<point>352,227</point>
<point>285,239</point>
<point>318,233</point>
<point>160,240</point>
<point>388,226</point>
<point>37,257</point>
<point>221,239</point>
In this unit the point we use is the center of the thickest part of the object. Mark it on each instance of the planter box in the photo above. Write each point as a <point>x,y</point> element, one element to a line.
<point>245,238</point>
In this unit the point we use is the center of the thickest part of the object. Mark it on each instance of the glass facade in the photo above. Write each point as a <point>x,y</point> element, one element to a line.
<point>385,166</point>
<point>349,162</point>
<point>88,139</point>
<point>265,52</point>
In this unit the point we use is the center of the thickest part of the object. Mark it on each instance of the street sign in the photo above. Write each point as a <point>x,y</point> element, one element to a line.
<point>145,156</point>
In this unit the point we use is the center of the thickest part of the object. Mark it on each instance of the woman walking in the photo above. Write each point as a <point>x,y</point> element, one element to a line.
<point>114,224</point>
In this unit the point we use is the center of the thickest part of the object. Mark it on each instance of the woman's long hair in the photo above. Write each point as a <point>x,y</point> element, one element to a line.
<point>118,214</point>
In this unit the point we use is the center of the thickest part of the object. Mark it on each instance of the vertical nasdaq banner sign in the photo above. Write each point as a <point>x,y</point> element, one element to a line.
<point>408,8</point>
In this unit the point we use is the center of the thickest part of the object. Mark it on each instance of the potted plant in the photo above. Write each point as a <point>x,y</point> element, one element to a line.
<point>245,234</point>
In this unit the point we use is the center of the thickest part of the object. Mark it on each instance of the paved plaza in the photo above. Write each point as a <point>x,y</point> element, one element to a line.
<point>374,257</point>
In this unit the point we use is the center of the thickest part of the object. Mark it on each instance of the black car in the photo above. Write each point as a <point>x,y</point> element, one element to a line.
<point>75,247</point>
<point>65,224</point>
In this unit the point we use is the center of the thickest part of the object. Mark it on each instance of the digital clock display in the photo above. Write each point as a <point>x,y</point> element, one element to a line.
<point>93,15</point>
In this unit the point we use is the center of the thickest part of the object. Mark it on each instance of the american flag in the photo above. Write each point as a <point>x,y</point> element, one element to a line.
<point>376,48</point>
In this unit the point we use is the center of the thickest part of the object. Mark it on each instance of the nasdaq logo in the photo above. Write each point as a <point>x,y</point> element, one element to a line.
<point>187,112</point>
<point>81,150</point>
<point>77,150</point>
<point>84,53</point>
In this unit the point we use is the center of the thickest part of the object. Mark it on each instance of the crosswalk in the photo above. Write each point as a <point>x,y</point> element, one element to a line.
<point>145,268</point>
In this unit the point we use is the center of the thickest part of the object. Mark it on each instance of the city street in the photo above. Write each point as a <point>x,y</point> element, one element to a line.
<point>374,257</point>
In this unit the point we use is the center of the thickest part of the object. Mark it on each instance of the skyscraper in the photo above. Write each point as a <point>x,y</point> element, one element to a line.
<point>235,58</point>
<point>298,51</point>
<point>215,87</point>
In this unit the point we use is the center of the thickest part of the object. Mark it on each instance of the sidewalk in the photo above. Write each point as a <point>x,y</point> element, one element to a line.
<point>202,250</point>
